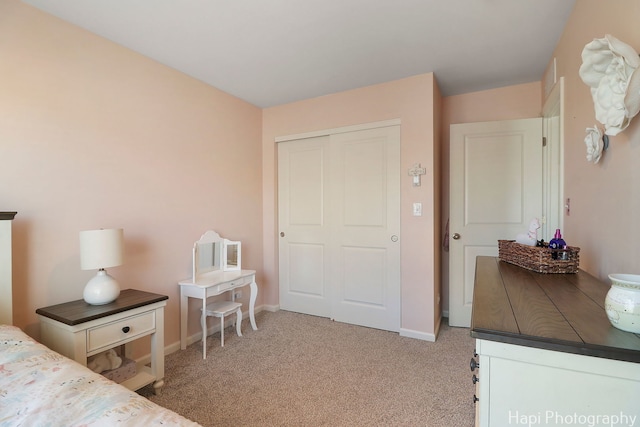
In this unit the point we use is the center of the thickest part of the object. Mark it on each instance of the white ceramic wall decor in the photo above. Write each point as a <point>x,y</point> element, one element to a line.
<point>609,68</point>
<point>594,143</point>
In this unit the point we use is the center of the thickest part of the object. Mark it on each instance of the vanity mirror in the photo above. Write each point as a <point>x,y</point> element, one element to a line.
<point>231,255</point>
<point>213,253</point>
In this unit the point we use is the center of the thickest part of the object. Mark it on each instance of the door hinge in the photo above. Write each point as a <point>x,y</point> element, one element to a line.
<point>544,141</point>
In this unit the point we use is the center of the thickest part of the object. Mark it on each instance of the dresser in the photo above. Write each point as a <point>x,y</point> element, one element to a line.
<point>546,353</point>
<point>79,330</point>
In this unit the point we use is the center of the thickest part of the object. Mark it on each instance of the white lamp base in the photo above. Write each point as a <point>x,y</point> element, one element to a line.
<point>102,289</point>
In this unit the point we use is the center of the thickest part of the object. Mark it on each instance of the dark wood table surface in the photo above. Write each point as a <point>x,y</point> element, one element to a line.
<point>79,311</point>
<point>561,312</point>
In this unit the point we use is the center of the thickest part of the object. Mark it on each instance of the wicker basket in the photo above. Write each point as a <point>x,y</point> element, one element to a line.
<point>539,259</point>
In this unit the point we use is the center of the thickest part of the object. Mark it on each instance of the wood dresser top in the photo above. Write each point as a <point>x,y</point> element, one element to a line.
<point>561,312</point>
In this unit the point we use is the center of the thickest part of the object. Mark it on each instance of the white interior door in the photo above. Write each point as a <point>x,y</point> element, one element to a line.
<point>495,192</point>
<point>303,211</point>
<point>339,224</point>
<point>366,228</point>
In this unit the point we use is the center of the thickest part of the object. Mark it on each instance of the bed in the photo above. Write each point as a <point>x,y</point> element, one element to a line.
<point>39,387</point>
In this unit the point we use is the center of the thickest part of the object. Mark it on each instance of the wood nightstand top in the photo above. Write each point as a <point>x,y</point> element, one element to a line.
<point>7,215</point>
<point>79,311</point>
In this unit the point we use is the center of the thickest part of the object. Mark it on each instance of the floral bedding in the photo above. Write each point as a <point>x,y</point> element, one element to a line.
<point>39,387</point>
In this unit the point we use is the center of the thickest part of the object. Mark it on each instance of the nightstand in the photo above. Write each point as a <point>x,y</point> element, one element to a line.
<point>78,330</point>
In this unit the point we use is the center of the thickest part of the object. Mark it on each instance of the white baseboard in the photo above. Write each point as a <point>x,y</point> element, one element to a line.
<point>171,348</point>
<point>271,308</point>
<point>417,335</point>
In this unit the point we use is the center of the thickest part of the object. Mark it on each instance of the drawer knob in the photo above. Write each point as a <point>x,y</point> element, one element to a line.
<point>473,364</point>
<point>475,379</point>
<point>126,329</point>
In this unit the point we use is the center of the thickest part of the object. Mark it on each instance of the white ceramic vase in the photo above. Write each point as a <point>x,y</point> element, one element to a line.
<point>622,303</point>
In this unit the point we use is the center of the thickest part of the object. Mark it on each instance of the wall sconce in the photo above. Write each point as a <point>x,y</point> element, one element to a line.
<point>415,172</point>
<point>609,68</point>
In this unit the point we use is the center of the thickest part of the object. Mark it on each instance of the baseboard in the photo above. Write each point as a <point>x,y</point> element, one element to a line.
<point>409,333</point>
<point>271,308</point>
<point>171,348</point>
<point>445,313</point>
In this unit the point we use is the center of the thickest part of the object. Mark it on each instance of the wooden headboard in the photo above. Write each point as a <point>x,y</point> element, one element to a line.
<point>6,283</point>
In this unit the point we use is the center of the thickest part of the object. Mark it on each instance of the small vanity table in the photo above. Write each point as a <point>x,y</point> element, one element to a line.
<point>216,270</point>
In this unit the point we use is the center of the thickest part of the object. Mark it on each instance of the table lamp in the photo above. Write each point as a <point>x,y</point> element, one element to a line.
<point>100,249</point>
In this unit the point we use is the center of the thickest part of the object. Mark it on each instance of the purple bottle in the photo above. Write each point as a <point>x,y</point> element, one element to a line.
<point>557,244</point>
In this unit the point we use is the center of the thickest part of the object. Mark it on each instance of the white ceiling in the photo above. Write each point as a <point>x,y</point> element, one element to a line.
<point>272,52</point>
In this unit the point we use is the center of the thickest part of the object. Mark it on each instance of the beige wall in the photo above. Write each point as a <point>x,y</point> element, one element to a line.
<point>508,103</point>
<point>605,198</point>
<point>412,101</point>
<point>93,135</point>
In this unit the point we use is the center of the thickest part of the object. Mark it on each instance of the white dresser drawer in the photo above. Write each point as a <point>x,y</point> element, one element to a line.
<point>122,331</point>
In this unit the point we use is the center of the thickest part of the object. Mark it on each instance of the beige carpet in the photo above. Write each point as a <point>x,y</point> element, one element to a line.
<point>299,370</point>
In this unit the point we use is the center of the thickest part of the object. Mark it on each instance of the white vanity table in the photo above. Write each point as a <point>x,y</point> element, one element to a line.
<point>216,270</point>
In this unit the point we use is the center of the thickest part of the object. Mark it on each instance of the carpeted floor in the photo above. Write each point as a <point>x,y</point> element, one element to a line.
<point>300,370</point>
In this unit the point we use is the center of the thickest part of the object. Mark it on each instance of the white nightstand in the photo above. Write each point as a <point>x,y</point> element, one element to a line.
<point>78,330</point>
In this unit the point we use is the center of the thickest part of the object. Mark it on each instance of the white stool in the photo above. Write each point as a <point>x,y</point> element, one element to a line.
<point>220,309</point>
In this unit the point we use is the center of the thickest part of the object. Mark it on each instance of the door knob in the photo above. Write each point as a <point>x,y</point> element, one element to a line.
<point>282,234</point>
<point>456,236</point>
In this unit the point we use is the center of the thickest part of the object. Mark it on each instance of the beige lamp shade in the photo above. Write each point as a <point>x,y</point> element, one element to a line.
<point>101,248</point>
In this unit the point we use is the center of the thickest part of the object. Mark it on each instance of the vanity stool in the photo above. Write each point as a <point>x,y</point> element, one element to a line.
<point>220,309</point>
